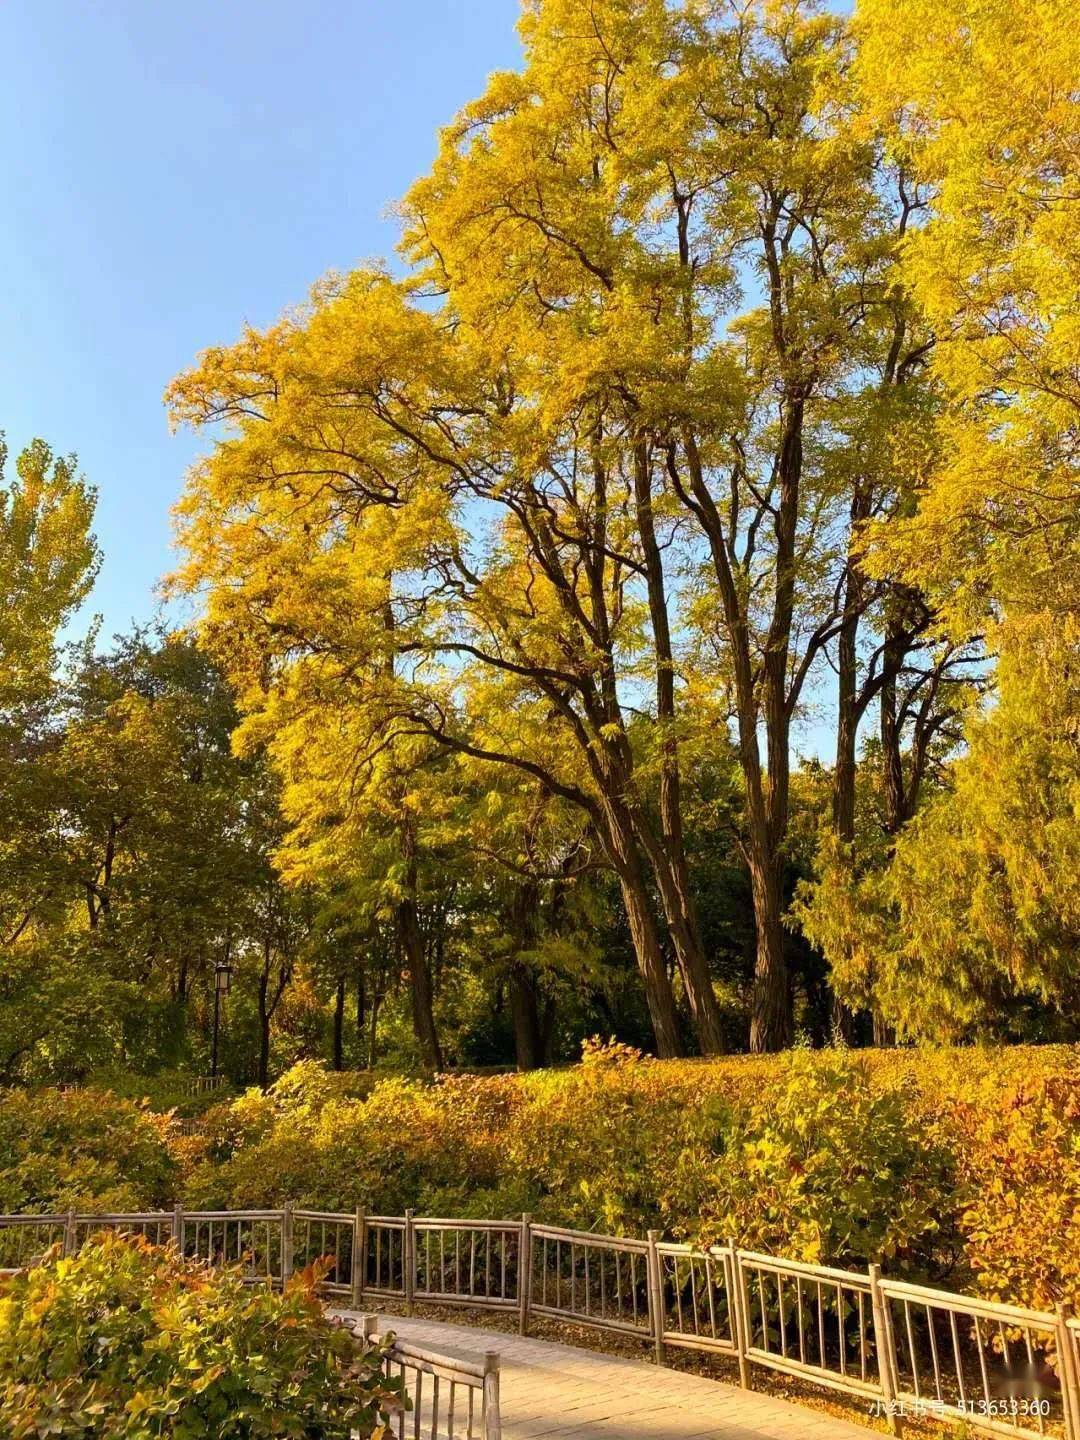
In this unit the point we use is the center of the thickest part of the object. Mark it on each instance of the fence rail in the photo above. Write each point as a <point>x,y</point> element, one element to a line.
<point>907,1348</point>
<point>448,1397</point>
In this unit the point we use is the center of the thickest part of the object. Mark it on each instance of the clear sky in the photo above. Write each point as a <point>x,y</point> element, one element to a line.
<point>168,171</point>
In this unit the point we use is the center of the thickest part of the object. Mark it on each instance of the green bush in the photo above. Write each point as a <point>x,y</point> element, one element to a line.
<point>824,1168</point>
<point>128,1342</point>
<point>82,1150</point>
<point>942,1163</point>
<point>406,1143</point>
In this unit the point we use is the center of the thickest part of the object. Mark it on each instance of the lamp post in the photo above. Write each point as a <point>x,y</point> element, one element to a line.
<point>222,986</point>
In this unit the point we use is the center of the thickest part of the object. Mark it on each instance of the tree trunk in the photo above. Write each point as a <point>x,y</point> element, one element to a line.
<point>850,709</point>
<point>620,844</point>
<point>843,800</point>
<point>672,881</point>
<point>669,858</point>
<point>268,1004</point>
<point>766,792</point>
<point>770,1000</point>
<point>658,993</point>
<point>419,978</point>
<point>373,1031</point>
<point>264,1031</point>
<point>414,957</point>
<point>525,1016</point>
<point>524,999</point>
<point>897,643</point>
<point>339,1026</point>
<point>361,1001</point>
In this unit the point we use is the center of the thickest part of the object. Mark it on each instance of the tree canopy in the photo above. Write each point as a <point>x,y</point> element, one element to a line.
<point>650,604</point>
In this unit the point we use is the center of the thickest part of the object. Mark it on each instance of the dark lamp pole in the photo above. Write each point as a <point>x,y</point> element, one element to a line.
<point>222,986</point>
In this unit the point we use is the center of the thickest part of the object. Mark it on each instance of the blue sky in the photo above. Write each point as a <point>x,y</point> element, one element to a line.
<point>170,171</point>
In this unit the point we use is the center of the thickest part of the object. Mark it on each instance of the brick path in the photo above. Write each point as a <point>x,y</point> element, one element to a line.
<point>559,1392</point>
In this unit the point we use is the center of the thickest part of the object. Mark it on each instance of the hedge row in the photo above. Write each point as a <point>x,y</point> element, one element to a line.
<point>955,1166</point>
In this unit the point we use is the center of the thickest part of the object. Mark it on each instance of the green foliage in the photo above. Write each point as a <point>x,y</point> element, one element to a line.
<point>933,1161</point>
<point>126,1342</point>
<point>404,1144</point>
<point>825,1168</point>
<point>48,560</point>
<point>81,1150</point>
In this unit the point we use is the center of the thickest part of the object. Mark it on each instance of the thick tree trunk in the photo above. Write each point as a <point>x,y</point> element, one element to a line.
<point>672,880</point>
<point>414,956</point>
<point>419,978</point>
<point>525,1016</point>
<point>620,844</point>
<point>669,858</point>
<point>658,993</point>
<point>770,999</point>
<point>522,982</point>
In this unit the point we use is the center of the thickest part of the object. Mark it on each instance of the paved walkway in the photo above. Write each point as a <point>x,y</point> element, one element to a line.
<point>560,1392</point>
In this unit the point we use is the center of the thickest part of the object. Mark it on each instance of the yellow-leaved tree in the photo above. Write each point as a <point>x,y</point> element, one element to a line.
<point>594,455</point>
<point>978,911</point>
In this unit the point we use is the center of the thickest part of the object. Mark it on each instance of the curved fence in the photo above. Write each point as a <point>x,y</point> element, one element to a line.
<point>904,1349</point>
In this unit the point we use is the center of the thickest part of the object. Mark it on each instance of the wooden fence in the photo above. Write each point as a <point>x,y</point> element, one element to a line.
<point>899,1347</point>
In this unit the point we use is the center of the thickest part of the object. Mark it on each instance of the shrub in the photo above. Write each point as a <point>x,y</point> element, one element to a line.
<point>825,1168</point>
<point>1019,1159</point>
<point>82,1150</point>
<point>406,1143</point>
<point>948,1164</point>
<point>598,1142</point>
<point>128,1342</point>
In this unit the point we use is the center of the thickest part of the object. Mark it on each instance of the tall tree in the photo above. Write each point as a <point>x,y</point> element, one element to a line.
<point>513,656</point>
<point>964,919</point>
<point>48,560</point>
<point>671,208</point>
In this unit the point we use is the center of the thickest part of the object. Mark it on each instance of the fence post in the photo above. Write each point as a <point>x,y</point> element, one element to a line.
<point>359,1256</point>
<point>655,1292</point>
<point>491,1419</point>
<point>369,1327</point>
<point>178,1228</point>
<point>286,1244</point>
<point>408,1262</point>
<point>1068,1373</point>
<point>739,1326</point>
<point>886,1354</point>
<point>70,1233</point>
<point>524,1273</point>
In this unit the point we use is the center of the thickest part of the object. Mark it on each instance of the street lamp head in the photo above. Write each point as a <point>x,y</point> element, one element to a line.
<point>223,977</point>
